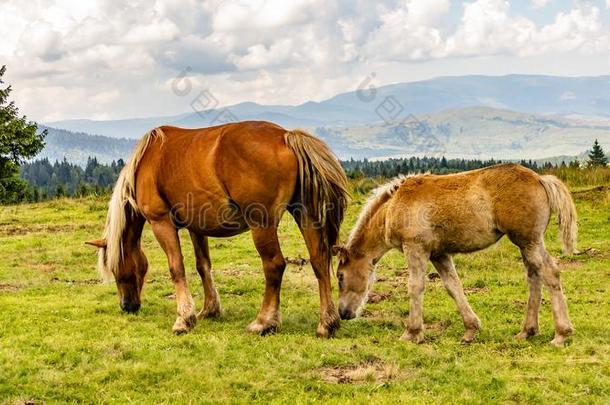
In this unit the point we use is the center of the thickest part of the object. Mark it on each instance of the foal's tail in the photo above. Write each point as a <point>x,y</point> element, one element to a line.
<point>323,190</point>
<point>122,208</point>
<point>562,204</point>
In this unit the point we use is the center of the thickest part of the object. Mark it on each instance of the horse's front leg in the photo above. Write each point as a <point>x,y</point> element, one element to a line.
<point>446,269</point>
<point>416,260</point>
<point>269,319</point>
<point>167,235</point>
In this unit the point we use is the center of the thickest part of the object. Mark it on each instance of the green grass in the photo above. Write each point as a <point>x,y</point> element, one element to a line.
<point>64,339</point>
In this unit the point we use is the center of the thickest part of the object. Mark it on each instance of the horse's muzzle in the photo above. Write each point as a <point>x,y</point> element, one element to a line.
<point>130,307</point>
<point>346,314</point>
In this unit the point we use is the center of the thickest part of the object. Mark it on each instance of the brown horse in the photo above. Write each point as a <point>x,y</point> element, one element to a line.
<point>430,217</point>
<point>219,182</point>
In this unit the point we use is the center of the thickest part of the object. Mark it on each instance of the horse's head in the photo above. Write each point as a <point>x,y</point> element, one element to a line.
<point>356,274</point>
<point>128,271</point>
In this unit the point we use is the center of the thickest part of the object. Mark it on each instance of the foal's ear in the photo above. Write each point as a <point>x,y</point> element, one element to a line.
<point>98,243</point>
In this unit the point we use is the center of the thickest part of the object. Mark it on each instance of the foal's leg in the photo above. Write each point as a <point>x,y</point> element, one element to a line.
<point>167,235</point>
<point>211,301</point>
<point>320,262</point>
<point>446,269</point>
<point>550,276</point>
<point>539,258</point>
<point>533,266</point>
<point>268,247</point>
<point>416,259</point>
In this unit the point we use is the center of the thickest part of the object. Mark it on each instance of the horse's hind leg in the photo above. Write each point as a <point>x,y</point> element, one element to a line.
<point>542,263</point>
<point>550,276</point>
<point>167,235</point>
<point>320,262</point>
<point>533,266</point>
<point>446,269</point>
<point>266,241</point>
<point>211,302</point>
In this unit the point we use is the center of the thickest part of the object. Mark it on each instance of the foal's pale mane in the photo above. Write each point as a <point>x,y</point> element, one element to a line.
<point>378,196</point>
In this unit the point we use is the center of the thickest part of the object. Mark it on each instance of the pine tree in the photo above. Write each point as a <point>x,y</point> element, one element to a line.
<point>18,141</point>
<point>597,157</point>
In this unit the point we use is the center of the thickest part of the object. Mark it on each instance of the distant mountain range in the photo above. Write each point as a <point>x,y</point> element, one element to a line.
<point>77,147</point>
<point>506,117</point>
<point>475,132</point>
<point>545,95</point>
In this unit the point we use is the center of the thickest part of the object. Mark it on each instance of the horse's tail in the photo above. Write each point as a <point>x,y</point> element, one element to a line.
<point>322,189</point>
<point>562,204</point>
<point>122,209</point>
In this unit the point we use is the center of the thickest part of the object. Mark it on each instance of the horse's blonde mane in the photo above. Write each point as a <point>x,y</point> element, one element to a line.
<point>123,197</point>
<point>379,195</point>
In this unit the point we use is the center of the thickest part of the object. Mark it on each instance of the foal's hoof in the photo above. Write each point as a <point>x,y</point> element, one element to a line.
<point>182,325</point>
<point>526,334</point>
<point>559,341</point>
<point>258,328</point>
<point>469,336</point>
<point>413,337</point>
<point>213,311</point>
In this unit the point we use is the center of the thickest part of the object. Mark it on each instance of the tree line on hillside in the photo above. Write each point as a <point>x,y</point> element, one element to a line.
<point>65,179</point>
<point>394,167</point>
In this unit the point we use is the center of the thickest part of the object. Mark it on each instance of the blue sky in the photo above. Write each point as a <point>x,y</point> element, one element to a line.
<point>107,59</point>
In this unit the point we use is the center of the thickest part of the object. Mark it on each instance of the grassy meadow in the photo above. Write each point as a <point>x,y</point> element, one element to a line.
<point>63,337</point>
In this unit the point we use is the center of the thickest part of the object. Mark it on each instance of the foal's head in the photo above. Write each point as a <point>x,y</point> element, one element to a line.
<point>356,274</point>
<point>128,265</point>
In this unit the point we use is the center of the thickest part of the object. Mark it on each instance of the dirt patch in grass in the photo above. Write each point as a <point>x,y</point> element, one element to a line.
<point>18,229</point>
<point>475,290</point>
<point>590,194</point>
<point>87,281</point>
<point>10,287</point>
<point>437,326</point>
<point>362,373</point>
<point>375,297</point>
<point>45,268</point>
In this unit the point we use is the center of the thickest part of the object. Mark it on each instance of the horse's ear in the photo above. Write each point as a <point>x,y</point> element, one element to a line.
<point>340,251</point>
<point>98,243</point>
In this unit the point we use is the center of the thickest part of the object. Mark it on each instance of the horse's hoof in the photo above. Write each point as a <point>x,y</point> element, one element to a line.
<point>558,341</point>
<point>257,328</point>
<point>211,312</point>
<point>328,326</point>
<point>326,332</point>
<point>413,337</point>
<point>182,326</point>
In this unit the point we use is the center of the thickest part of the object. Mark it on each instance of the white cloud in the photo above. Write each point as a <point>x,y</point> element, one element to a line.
<point>69,58</point>
<point>541,3</point>
<point>410,32</point>
<point>260,14</point>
